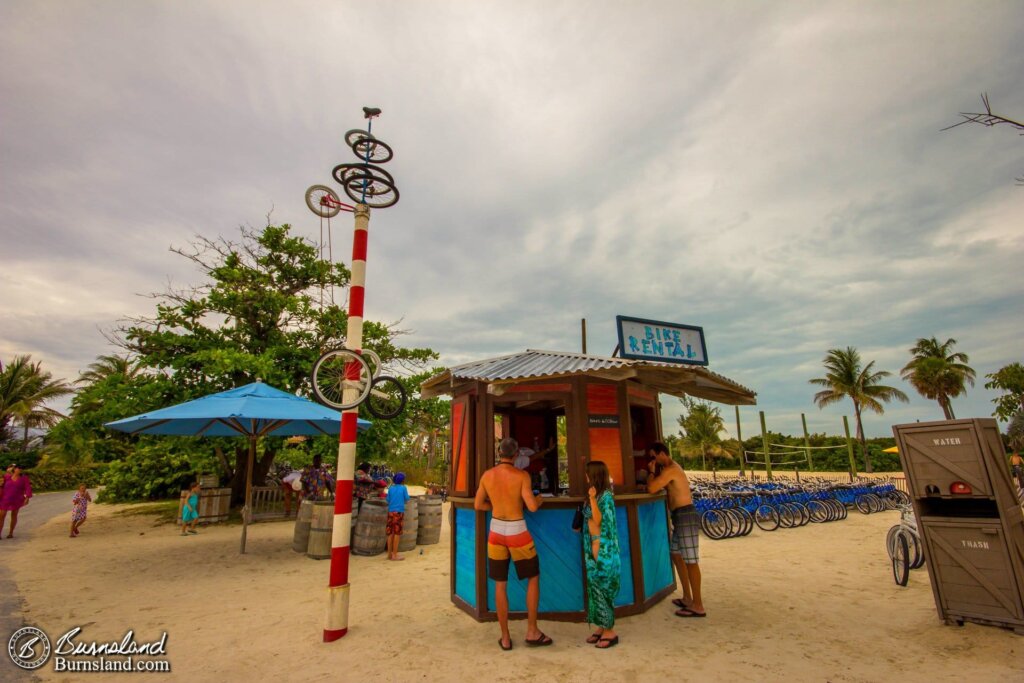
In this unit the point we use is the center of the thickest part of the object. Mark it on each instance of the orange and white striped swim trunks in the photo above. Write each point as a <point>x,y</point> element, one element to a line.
<point>509,540</point>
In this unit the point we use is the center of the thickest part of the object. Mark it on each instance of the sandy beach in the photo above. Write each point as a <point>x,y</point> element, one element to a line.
<point>816,603</point>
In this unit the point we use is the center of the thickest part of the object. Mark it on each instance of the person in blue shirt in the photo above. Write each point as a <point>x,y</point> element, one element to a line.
<point>398,496</point>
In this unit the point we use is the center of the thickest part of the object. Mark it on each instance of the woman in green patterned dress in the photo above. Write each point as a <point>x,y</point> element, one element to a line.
<point>601,551</point>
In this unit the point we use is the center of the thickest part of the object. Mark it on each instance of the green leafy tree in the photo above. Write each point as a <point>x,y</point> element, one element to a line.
<point>25,389</point>
<point>702,426</point>
<point>938,373</point>
<point>257,317</point>
<point>1010,380</point>
<point>845,377</point>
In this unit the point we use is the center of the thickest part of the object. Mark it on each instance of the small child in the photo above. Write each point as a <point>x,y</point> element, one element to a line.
<point>79,510</point>
<point>190,513</point>
<point>398,496</point>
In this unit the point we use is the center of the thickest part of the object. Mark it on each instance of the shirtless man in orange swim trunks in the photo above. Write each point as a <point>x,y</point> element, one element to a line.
<point>503,490</point>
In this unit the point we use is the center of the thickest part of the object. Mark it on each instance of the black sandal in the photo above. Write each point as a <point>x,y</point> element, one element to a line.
<point>612,642</point>
<point>540,642</point>
<point>502,645</point>
<point>593,638</point>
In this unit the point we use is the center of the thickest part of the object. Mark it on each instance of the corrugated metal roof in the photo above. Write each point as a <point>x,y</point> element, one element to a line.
<point>533,363</point>
<point>671,378</point>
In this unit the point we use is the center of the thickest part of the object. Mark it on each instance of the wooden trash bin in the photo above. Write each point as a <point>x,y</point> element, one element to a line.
<point>300,539</point>
<point>429,530</point>
<point>368,538</point>
<point>970,519</point>
<point>410,526</point>
<point>320,529</point>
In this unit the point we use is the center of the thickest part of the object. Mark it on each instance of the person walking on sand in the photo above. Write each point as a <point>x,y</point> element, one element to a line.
<point>503,491</point>
<point>16,492</point>
<point>398,496</point>
<point>190,513</point>
<point>601,555</point>
<point>79,509</point>
<point>665,473</point>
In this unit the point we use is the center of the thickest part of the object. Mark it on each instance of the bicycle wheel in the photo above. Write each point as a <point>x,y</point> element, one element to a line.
<point>766,517</point>
<point>317,199</point>
<point>917,552</point>
<point>387,398</point>
<point>374,191</point>
<point>341,379</point>
<point>901,560</point>
<point>787,516</point>
<point>355,135</point>
<point>746,521</point>
<point>890,540</point>
<point>863,504</point>
<point>715,524</point>
<point>372,150</point>
<point>345,172</point>
<point>801,509</point>
<point>819,512</point>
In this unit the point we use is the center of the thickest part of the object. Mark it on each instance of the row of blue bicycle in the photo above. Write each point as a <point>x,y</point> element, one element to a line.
<point>731,509</point>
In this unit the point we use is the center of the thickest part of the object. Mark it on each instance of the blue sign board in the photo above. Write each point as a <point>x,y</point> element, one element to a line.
<point>660,341</point>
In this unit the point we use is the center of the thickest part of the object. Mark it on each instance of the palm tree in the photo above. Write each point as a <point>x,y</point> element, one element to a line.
<point>106,366</point>
<point>937,373</point>
<point>702,426</point>
<point>25,388</point>
<point>844,377</point>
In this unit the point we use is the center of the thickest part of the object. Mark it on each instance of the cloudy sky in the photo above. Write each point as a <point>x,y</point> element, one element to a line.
<point>773,172</point>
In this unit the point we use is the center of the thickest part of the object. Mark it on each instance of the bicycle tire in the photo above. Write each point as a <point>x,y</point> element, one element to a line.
<point>736,522</point>
<point>374,191</point>
<point>715,524</point>
<point>901,560</point>
<point>805,514</point>
<point>387,398</point>
<point>766,517</point>
<point>314,195</point>
<point>372,150</point>
<point>819,512</point>
<point>863,504</point>
<point>356,134</point>
<point>890,539</point>
<point>342,173</point>
<point>787,516</point>
<point>747,521</point>
<point>332,376</point>
<point>918,551</point>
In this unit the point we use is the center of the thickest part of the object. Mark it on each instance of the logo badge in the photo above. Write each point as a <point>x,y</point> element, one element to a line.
<point>29,648</point>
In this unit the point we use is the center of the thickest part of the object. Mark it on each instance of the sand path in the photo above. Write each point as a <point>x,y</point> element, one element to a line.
<point>811,604</point>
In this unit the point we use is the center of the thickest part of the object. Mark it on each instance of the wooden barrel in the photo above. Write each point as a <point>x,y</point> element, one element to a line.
<point>429,530</point>
<point>300,541</point>
<point>410,526</point>
<point>355,511</point>
<point>368,538</point>
<point>321,525</point>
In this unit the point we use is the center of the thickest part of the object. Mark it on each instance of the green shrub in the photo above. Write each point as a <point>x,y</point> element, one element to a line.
<point>65,478</point>
<point>158,468</point>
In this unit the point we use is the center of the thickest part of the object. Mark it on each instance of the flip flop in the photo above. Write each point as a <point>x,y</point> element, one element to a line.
<point>687,612</point>
<point>502,645</point>
<point>612,642</point>
<point>543,641</point>
<point>678,602</point>
<point>593,638</point>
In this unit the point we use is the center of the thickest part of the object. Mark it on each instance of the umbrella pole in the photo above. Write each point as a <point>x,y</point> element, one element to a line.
<point>247,510</point>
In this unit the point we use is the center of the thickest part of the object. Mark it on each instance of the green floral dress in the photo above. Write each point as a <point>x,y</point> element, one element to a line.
<point>602,573</point>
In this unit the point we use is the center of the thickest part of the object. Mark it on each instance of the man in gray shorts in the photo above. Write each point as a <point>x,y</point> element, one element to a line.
<point>665,473</point>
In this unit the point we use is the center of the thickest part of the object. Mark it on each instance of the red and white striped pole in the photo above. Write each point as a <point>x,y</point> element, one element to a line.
<point>336,624</point>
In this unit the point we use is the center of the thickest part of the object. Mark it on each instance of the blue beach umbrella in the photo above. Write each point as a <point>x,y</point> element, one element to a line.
<point>253,411</point>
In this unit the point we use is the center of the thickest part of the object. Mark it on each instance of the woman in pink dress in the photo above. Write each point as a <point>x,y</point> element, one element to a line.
<point>16,492</point>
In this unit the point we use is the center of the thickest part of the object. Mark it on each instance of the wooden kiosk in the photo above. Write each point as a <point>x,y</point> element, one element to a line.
<point>608,410</point>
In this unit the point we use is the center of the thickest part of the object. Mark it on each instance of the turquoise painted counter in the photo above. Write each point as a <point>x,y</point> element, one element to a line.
<point>647,574</point>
